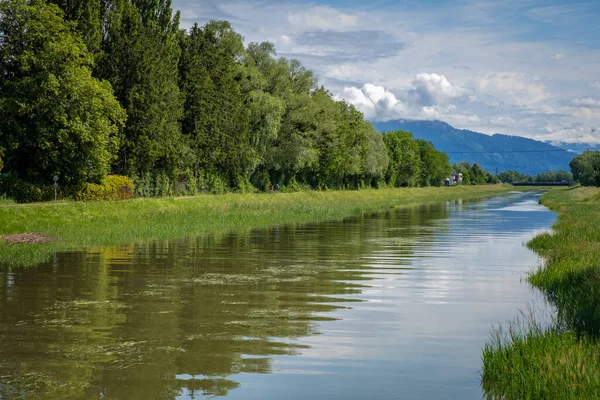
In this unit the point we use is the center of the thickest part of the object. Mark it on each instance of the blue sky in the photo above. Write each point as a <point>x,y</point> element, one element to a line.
<point>521,67</point>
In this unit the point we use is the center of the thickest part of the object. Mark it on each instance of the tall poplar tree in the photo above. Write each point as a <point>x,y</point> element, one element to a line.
<point>141,56</point>
<point>88,16</point>
<point>217,114</point>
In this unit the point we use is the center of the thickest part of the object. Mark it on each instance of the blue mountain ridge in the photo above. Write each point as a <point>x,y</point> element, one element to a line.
<point>488,151</point>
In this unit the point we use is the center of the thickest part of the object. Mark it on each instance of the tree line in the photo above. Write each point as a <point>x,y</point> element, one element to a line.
<point>512,176</point>
<point>97,87</point>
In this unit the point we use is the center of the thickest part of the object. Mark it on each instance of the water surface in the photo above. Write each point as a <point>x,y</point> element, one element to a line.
<point>387,306</point>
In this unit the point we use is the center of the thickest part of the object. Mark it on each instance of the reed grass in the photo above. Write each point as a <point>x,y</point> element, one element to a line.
<point>104,223</point>
<point>561,361</point>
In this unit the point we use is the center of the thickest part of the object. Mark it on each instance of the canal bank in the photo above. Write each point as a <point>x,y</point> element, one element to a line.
<point>563,360</point>
<point>72,225</point>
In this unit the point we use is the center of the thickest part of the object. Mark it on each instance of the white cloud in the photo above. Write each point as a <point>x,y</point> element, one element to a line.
<point>431,89</point>
<point>322,18</point>
<point>570,134</point>
<point>596,84</point>
<point>524,89</point>
<point>428,98</point>
<point>557,57</point>
<point>586,102</point>
<point>374,101</point>
<point>285,40</point>
<point>504,122</point>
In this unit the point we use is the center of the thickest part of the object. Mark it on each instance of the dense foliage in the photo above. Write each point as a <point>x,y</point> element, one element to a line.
<point>586,168</point>
<point>512,176</point>
<point>473,174</point>
<point>55,118</point>
<point>115,86</point>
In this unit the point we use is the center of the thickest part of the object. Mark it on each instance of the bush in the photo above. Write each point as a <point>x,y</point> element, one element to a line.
<point>115,187</point>
<point>185,183</point>
<point>17,189</point>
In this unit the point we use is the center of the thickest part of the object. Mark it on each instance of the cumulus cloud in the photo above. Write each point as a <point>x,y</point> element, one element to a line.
<point>429,97</point>
<point>557,57</point>
<point>374,101</point>
<point>432,89</point>
<point>524,89</point>
<point>322,18</point>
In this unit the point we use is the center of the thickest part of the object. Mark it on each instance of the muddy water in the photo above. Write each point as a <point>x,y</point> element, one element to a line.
<point>387,306</point>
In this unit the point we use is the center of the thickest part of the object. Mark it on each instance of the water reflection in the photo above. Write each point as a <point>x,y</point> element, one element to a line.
<point>370,307</point>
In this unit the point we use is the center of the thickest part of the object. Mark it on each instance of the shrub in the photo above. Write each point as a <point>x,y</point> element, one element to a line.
<point>22,192</point>
<point>115,187</point>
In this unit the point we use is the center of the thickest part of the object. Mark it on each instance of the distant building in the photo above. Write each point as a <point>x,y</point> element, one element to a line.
<point>456,178</point>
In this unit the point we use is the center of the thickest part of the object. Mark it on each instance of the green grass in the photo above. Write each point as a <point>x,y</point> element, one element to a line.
<point>83,224</point>
<point>562,361</point>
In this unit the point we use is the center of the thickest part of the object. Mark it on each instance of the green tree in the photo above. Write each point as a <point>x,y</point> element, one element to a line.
<point>376,158</point>
<point>478,175</point>
<point>404,165</point>
<point>55,118</point>
<point>512,176</point>
<point>87,15</point>
<point>141,55</point>
<point>586,168</point>
<point>435,166</point>
<point>217,115</point>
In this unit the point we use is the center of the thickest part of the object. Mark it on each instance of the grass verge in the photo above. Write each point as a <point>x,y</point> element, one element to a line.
<point>561,361</point>
<point>104,223</point>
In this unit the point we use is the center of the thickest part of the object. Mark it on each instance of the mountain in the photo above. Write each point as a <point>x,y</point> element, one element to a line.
<point>497,152</point>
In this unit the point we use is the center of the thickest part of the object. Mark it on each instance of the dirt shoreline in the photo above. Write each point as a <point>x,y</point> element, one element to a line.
<point>27,238</point>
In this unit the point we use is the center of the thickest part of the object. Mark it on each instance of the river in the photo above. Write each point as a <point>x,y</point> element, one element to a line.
<point>395,305</point>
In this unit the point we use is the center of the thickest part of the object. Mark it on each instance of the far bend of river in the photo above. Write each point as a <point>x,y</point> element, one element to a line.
<point>395,305</point>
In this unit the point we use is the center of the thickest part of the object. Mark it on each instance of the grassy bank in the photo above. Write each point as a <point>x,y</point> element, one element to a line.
<point>562,361</point>
<point>80,224</point>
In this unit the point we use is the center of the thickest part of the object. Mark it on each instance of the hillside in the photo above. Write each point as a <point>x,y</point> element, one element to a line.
<point>491,152</point>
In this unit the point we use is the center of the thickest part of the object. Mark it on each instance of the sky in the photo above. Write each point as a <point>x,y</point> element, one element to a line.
<point>521,67</point>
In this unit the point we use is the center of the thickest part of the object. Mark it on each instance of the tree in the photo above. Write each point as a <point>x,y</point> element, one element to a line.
<point>586,168</point>
<point>141,55</point>
<point>376,158</point>
<point>478,175</point>
<point>87,15</point>
<point>512,176</point>
<point>435,166</point>
<point>217,111</point>
<point>404,165</point>
<point>55,118</point>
